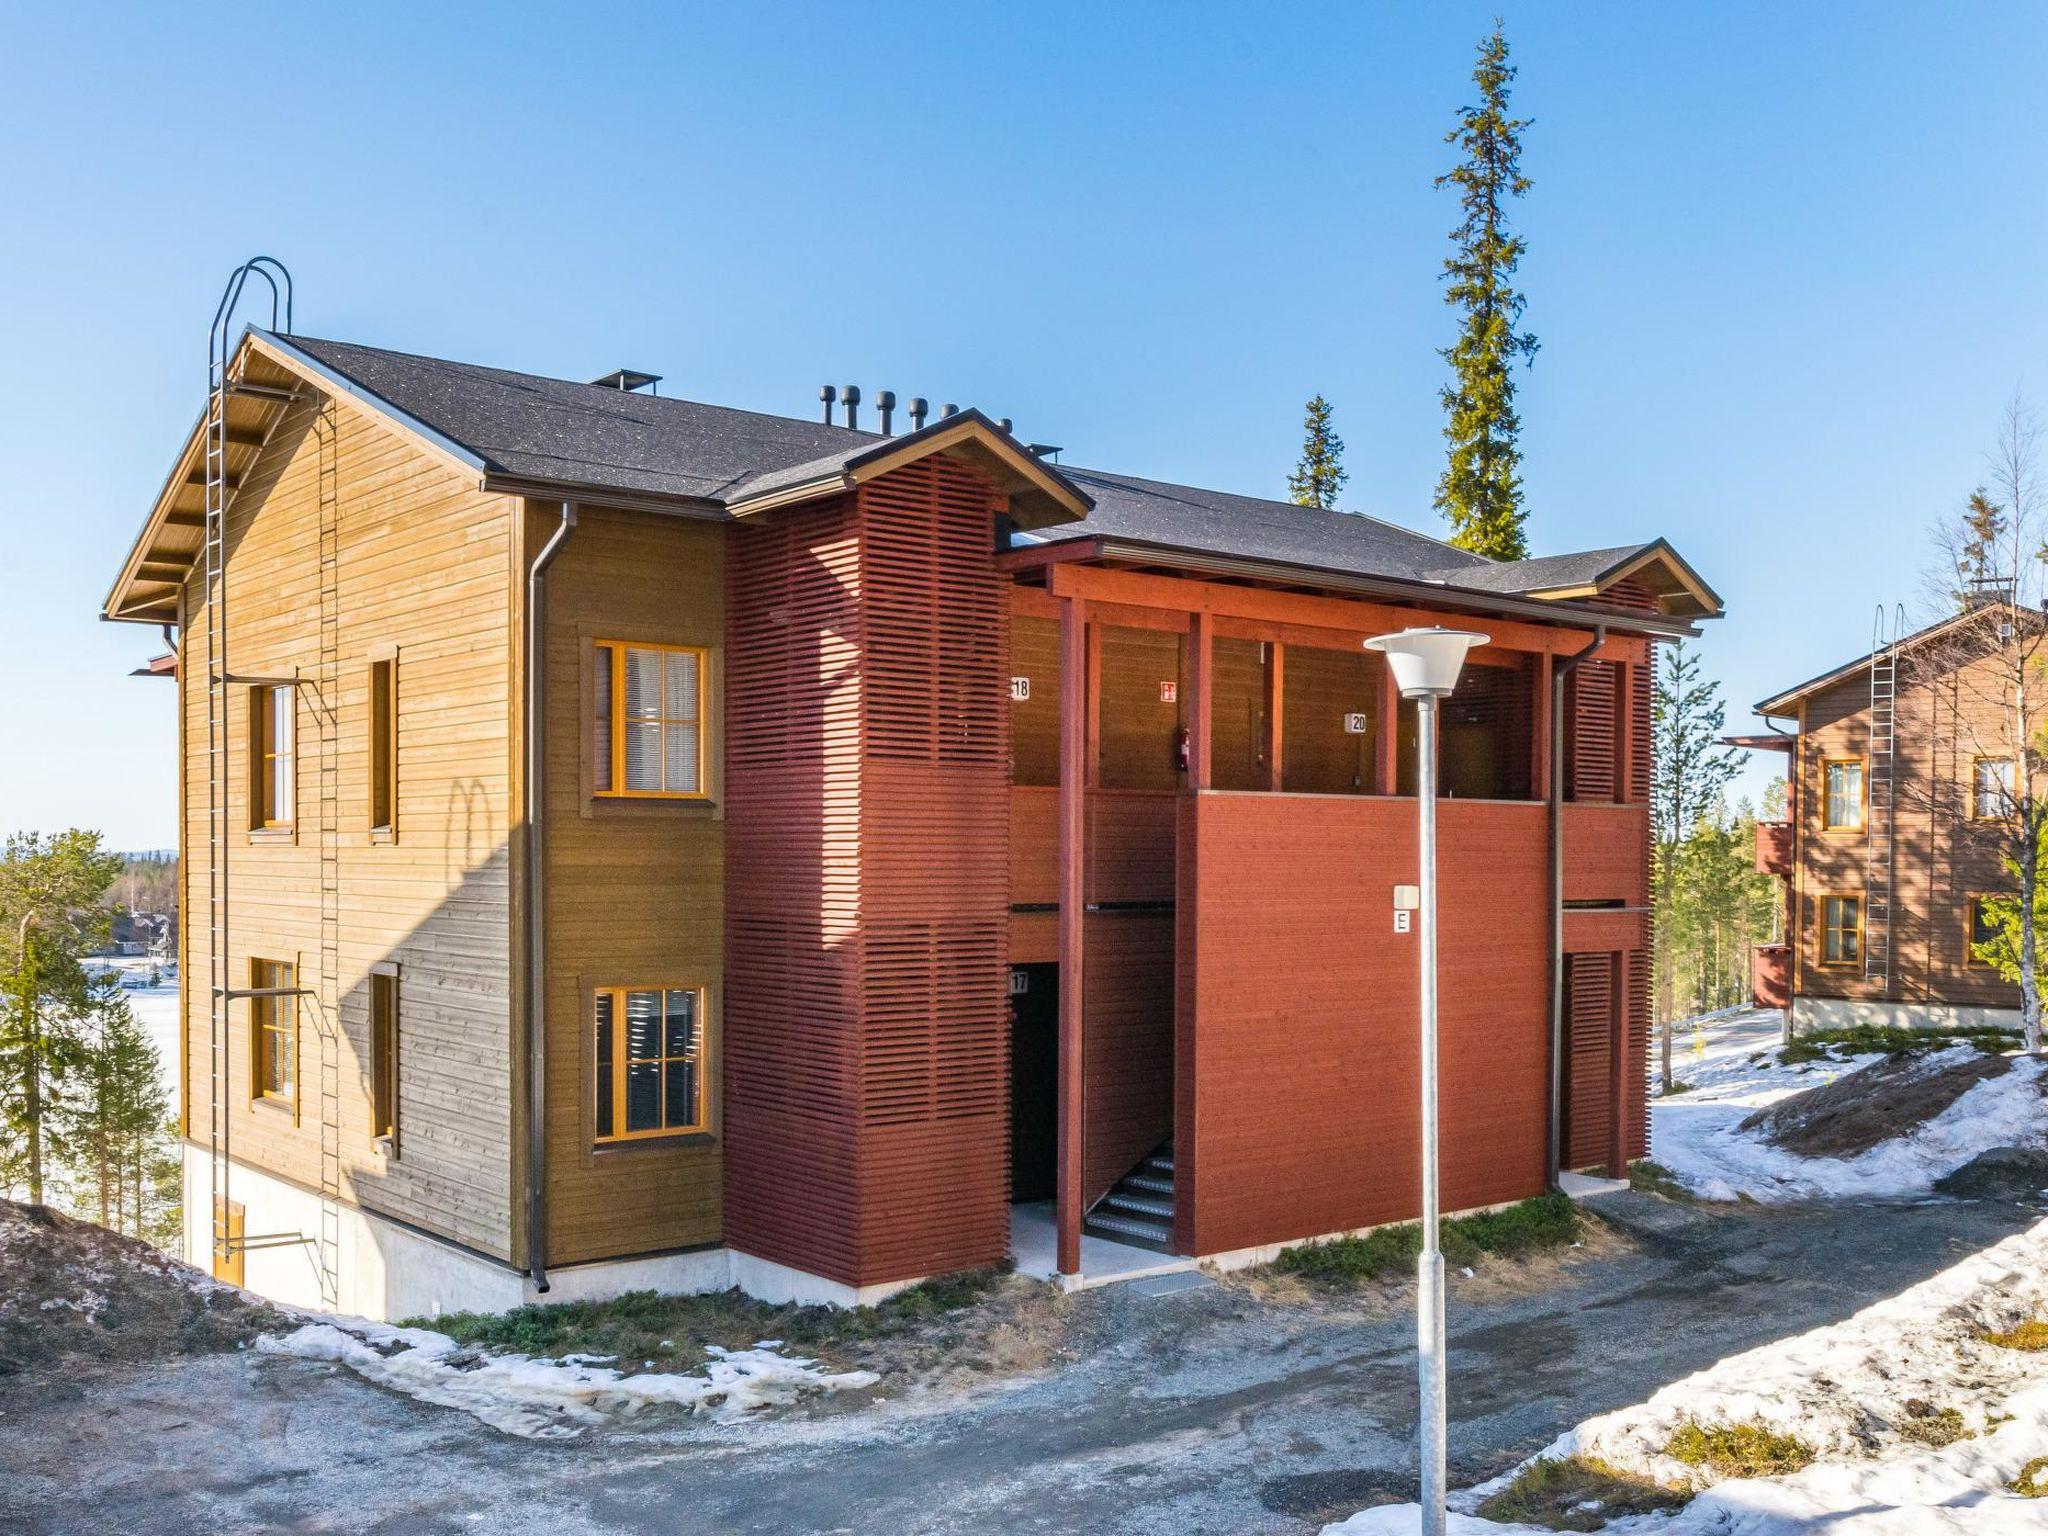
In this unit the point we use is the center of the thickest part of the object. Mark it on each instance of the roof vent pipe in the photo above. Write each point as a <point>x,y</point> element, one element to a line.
<point>949,409</point>
<point>1004,423</point>
<point>827,394</point>
<point>919,409</point>
<point>850,398</point>
<point>885,402</point>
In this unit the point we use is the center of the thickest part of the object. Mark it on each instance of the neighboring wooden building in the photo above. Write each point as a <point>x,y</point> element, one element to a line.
<point>653,844</point>
<point>1896,769</point>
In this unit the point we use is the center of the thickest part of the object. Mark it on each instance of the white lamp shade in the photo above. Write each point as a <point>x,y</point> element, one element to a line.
<point>1426,662</point>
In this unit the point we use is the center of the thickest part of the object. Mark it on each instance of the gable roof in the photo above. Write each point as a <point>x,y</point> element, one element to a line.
<point>1783,706</point>
<point>527,434</point>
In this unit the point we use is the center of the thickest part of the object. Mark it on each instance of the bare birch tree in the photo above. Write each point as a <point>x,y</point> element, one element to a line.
<point>1983,684</point>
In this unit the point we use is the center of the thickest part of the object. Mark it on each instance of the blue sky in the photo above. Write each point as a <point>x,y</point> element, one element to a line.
<point>1784,262</point>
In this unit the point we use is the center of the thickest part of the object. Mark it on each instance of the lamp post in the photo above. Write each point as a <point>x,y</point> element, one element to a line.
<point>1426,663</point>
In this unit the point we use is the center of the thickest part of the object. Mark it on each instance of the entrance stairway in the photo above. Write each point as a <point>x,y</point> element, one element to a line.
<point>1138,1210</point>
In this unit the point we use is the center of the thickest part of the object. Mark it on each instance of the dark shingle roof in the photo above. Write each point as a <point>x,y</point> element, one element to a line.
<point>528,427</point>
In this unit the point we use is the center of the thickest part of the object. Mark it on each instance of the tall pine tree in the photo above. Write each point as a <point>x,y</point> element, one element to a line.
<point>1980,542</point>
<point>1481,489</point>
<point>1321,472</point>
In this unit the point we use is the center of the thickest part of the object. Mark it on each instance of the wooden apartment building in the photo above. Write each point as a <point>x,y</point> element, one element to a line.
<point>653,844</point>
<point>1899,774</point>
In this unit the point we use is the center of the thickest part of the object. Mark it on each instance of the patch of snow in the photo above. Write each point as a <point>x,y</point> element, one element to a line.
<point>1730,1067</point>
<point>1843,1389</point>
<point>554,1399</point>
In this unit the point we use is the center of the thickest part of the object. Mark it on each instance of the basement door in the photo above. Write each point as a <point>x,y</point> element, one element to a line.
<point>1034,1082</point>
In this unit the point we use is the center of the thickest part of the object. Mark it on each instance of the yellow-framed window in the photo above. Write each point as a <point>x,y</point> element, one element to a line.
<point>274,1032</point>
<point>384,1059</point>
<point>1842,794</point>
<point>1977,929</point>
<point>1994,788</point>
<point>650,1060</point>
<point>273,720</point>
<point>1841,930</point>
<point>383,738</point>
<point>649,720</point>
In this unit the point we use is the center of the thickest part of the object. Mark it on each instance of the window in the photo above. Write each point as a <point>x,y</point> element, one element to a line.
<point>649,720</point>
<point>384,1059</point>
<point>383,745</point>
<point>1842,810</point>
<point>274,1032</point>
<point>271,737</point>
<point>1994,788</point>
<point>650,1062</point>
<point>1841,939</point>
<point>1978,929</point>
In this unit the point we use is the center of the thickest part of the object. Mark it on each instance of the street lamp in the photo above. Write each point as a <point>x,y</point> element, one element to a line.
<point>1426,663</point>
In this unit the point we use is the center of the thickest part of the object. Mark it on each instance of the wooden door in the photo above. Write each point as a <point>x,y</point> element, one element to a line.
<point>1034,1081</point>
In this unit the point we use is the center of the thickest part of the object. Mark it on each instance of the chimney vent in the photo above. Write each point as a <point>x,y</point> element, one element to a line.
<point>919,409</point>
<point>885,402</point>
<point>948,409</point>
<point>828,395</point>
<point>1043,450</point>
<point>1004,423</point>
<point>850,398</point>
<point>627,380</point>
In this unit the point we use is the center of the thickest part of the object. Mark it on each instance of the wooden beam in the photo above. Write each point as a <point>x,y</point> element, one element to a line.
<point>1386,769</point>
<point>1201,698</point>
<point>159,570</point>
<point>185,519</point>
<point>1076,696</point>
<point>1366,618</point>
<point>1276,700</point>
<point>198,478</point>
<point>1539,737</point>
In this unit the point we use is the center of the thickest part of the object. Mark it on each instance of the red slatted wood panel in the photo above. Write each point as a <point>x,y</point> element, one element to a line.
<point>1589,1033</point>
<point>1635,1139</point>
<point>868,857</point>
<point>1592,732</point>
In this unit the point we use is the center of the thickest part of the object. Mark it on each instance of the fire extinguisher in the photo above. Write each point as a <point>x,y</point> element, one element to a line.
<point>1181,753</point>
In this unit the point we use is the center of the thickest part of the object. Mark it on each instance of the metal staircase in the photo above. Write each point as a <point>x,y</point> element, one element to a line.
<point>1138,1210</point>
<point>1878,832</point>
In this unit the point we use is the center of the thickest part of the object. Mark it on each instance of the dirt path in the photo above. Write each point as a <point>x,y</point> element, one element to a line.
<point>1217,1410</point>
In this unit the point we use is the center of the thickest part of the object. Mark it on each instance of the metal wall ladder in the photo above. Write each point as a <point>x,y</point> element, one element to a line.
<point>1879,844</point>
<point>222,383</point>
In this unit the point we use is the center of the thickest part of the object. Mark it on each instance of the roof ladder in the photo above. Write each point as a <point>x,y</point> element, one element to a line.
<point>1879,844</point>
<point>220,383</point>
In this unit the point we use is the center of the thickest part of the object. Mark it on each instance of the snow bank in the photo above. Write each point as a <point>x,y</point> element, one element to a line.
<point>555,1399</point>
<point>1844,1390</point>
<point>1733,1069</point>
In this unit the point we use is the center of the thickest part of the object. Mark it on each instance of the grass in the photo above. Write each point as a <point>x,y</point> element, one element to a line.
<point>1933,1426</point>
<point>2031,1337</point>
<point>2031,1481</point>
<point>1890,1040</point>
<point>648,1326</point>
<point>1678,1085</point>
<point>1547,1221</point>
<point>1554,1494</point>
<point>1655,1179</point>
<point>1739,1450</point>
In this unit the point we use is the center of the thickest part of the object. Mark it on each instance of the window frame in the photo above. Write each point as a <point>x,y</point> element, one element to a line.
<point>266,777</point>
<point>262,1011</point>
<point>382,741</point>
<point>1826,929</point>
<point>2011,788</point>
<point>1971,906</point>
<point>700,1125</point>
<point>611,741</point>
<point>386,1011</point>
<point>1862,766</point>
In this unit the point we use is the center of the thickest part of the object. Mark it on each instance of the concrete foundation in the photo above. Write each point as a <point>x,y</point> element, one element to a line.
<point>1847,1012</point>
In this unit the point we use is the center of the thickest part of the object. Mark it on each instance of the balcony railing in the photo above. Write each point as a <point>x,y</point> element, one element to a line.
<point>1774,848</point>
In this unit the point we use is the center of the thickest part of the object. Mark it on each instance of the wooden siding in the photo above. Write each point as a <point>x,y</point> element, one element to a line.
<point>348,543</point>
<point>635,888</point>
<point>867,921</point>
<point>1940,863</point>
<point>1298,1056</point>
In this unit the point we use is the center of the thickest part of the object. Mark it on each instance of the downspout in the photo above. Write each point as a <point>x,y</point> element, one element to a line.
<point>1559,676</point>
<point>536,929</point>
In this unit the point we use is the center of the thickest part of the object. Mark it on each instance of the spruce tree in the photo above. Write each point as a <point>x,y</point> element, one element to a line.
<point>1321,472</point>
<point>117,1111</point>
<point>1980,539</point>
<point>1481,489</point>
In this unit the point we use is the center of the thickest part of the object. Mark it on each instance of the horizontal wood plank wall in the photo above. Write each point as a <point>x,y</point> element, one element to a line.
<point>1590,994</point>
<point>423,569</point>
<point>868,914</point>
<point>1940,860</point>
<point>1127,1047</point>
<point>635,888</point>
<point>1299,1056</point>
